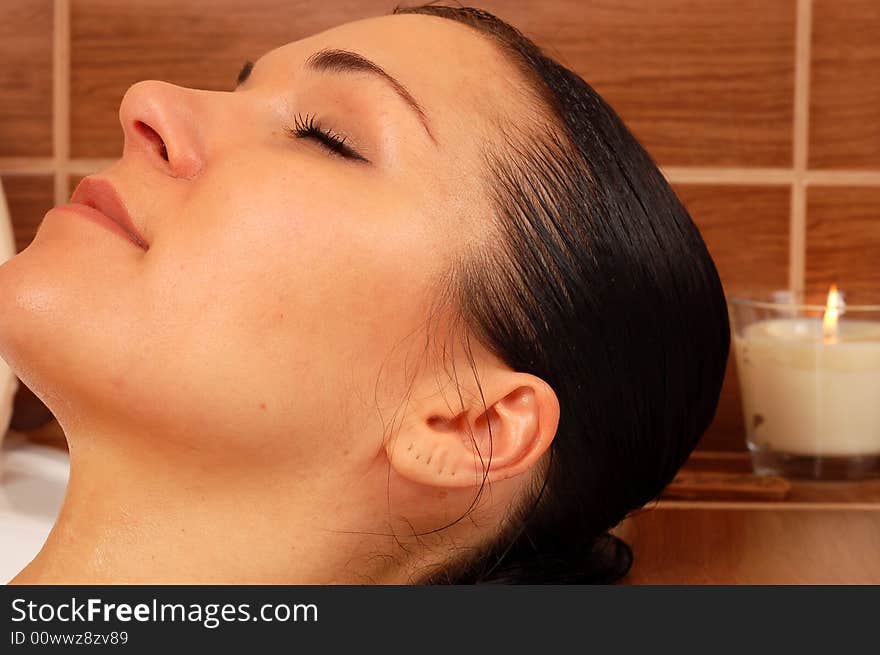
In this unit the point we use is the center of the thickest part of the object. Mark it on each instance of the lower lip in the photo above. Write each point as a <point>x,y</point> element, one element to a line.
<point>95,216</point>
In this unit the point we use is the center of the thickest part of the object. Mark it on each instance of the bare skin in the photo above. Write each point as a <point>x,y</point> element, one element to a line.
<point>266,394</point>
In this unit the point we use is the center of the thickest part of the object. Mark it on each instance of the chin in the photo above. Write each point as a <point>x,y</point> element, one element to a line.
<point>38,321</point>
<point>19,303</point>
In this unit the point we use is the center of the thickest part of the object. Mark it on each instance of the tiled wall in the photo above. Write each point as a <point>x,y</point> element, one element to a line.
<point>764,114</point>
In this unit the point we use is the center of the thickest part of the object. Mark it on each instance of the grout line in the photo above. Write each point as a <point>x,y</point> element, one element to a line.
<point>829,177</point>
<point>802,86</point>
<point>764,505</point>
<point>26,165</point>
<point>797,242</point>
<point>708,175</point>
<point>797,238</point>
<point>675,174</point>
<point>719,454</point>
<point>89,166</point>
<point>61,97</point>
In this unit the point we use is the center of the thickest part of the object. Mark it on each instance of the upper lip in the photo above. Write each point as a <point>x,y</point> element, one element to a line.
<point>99,193</point>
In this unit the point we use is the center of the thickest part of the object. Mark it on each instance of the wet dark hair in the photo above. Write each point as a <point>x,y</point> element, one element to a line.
<point>601,285</point>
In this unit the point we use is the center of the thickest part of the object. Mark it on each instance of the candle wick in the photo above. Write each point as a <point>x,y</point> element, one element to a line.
<point>834,307</point>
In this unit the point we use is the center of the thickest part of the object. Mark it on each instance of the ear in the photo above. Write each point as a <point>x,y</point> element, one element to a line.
<point>446,447</point>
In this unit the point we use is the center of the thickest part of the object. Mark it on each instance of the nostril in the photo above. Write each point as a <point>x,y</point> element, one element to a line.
<point>153,137</point>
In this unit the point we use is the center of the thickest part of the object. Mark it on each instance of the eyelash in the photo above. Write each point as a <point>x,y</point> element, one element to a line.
<point>306,128</point>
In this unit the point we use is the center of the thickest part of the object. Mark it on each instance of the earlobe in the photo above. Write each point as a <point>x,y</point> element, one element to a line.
<point>507,437</point>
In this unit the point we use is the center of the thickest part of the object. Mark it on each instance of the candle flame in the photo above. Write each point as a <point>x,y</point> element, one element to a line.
<point>833,309</point>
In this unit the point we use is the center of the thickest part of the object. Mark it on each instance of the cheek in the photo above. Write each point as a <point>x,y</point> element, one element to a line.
<point>300,256</point>
<point>291,304</point>
<point>331,284</point>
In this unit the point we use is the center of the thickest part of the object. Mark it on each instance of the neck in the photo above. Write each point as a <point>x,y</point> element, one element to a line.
<point>169,518</point>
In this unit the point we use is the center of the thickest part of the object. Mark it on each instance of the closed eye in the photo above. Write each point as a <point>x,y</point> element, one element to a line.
<point>244,73</point>
<point>307,128</point>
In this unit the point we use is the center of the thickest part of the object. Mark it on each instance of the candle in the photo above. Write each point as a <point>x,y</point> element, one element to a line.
<point>810,384</point>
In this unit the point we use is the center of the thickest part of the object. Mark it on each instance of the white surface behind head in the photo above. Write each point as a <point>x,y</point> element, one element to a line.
<point>8,381</point>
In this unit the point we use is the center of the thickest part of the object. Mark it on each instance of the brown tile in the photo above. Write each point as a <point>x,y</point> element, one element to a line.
<point>26,78</point>
<point>727,431</point>
<point>29,198</point>
<point>198,43</point>
<point>705,83</point>
<point>843,241</point>
<point>746,231</point>
<point>763,545</point>
<point>73,180</point>
<point>845,84</point>
<point>28,411</point>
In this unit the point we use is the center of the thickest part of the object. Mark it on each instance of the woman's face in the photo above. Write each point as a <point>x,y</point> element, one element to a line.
<point>280,279</point>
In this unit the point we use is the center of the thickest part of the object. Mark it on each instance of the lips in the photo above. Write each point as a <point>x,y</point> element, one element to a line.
<point>100,194</point>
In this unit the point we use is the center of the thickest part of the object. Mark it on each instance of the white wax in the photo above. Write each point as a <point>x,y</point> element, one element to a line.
<point>806,397</point>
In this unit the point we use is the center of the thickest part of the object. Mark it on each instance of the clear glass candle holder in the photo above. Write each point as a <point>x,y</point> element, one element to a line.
<point>810,389</point>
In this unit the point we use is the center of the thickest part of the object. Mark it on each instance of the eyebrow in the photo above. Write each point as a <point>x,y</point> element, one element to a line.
<point>334,60</point>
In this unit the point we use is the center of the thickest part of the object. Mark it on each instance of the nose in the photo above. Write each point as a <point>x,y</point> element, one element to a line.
<point>160,121</point>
